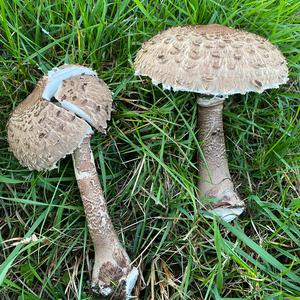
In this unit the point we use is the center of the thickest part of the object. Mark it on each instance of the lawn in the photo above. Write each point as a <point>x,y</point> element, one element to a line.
<point>147,162</point>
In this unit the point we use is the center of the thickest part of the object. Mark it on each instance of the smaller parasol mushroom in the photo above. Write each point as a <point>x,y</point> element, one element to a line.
<point>219,61</point>
<point>41,132</point>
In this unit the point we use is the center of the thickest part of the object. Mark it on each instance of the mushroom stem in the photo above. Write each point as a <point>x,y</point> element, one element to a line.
<point>214,177</point>
<point>112,273</point>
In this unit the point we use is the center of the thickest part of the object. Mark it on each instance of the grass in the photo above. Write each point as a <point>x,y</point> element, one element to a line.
<point>147,161</point>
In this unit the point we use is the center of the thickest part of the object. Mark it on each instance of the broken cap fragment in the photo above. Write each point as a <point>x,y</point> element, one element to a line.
<point>87,96</point>
<point>211,59</point>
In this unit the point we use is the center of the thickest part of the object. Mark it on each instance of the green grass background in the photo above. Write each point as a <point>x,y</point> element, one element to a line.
<point>148,160</point>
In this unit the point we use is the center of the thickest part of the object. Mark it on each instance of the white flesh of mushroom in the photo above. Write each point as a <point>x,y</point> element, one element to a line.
<point>56,76</point>
<point>77,111</point>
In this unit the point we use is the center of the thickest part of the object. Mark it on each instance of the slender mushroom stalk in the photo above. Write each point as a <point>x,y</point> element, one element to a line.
<point>112,264</point>
<point>214,177</point>
<point>219,61</point>
<point>41,132</point>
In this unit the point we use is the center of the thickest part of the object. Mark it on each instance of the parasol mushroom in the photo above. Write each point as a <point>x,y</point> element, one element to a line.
<point>218,61</point>
<point>41,132</point>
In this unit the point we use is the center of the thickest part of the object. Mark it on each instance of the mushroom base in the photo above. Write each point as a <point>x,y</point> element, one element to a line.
<point>215,186</point>
<point>113,275</point>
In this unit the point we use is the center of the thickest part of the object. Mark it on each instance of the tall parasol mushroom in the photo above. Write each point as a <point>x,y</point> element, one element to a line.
<point>41,132</point>
<point>218,61</point>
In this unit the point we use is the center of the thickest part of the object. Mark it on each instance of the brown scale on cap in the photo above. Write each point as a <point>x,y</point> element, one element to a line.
<point>91,95</point>
<point>235,61</point>
<point>40,133</point>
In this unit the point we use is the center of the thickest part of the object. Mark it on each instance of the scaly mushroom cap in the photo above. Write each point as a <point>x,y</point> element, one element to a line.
<point>40,133</point>
<point>89,96</point>
<point>211,59</point>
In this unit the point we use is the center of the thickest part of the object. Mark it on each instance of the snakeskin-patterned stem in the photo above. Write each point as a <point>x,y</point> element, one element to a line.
<point>214,177</point>
<point>112,273</point>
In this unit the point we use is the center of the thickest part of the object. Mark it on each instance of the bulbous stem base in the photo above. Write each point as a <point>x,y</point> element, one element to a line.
<point>215,182</point>
<point>113,275</point>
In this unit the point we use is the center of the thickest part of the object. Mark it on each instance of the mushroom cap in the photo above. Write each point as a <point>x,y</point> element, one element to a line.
<point>89,96</point>
<point>211,59</point>
<point>40,133</point>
